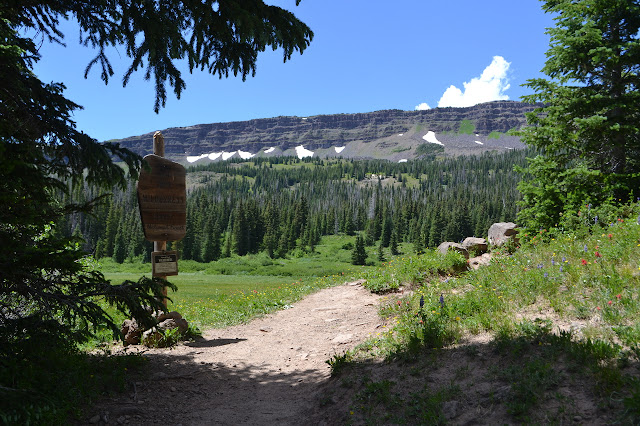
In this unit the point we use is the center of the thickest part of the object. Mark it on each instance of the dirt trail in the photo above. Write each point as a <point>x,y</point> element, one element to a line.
<point>270,371</point>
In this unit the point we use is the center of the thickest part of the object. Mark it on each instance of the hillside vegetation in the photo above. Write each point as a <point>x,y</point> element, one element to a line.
<point>284,206</point>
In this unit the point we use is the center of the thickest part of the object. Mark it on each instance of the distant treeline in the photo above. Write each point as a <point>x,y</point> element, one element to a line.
<point>283,205</point>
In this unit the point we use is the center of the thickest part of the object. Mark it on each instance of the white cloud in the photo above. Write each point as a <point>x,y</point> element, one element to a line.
<point>490,86</point>
<point>422,107</point>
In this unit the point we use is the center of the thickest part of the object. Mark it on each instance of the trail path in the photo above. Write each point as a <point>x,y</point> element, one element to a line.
<point>268,372</point>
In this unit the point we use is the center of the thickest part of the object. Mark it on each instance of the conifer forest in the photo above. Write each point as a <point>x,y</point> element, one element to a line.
<point>285,205</point>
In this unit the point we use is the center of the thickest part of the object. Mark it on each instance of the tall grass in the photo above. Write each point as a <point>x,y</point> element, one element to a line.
<point>562,306</point>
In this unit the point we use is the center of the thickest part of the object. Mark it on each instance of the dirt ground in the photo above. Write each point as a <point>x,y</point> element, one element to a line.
<point>268,372</point>
<point>273,371</point>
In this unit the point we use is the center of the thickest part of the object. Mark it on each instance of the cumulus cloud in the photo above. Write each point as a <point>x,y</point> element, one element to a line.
<point>422,107</point>
<point>490,86</point>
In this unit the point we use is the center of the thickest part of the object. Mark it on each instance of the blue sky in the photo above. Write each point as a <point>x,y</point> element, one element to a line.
<point>367,55</point>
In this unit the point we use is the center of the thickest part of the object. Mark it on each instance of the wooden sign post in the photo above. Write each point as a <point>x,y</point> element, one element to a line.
<point>162,197</point>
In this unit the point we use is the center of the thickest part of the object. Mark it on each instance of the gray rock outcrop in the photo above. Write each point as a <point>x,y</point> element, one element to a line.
<point>502,232</point>
<point>448,245</point>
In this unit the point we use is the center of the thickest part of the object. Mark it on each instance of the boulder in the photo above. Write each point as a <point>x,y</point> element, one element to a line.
<point>161,316</point>
<point>170,324</point>
<point>501,232</point>
<point>476,262</point>
<point>131,332</point>
<point>446,246</point>
<point>475,245</point>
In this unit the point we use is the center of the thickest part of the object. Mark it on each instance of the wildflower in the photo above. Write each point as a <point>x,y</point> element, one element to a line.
<point>540,266</point>
<point>442,301</point>
<point>457,318</point>
<point>610,236</point>
<point>561,270</point>
<point>619,296</point>
<point>584,262</point>
<point>553,262</point>
<point>595,219</point>
<point>609,302</point>
<point>598,254</point>
<point>564,259</point>
<point>598,308</point>
<point>586,248</point>
<point>546,275</point>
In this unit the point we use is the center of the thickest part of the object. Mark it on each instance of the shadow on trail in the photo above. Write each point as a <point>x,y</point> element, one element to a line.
<point>212,343</point>
<point>179,389</point>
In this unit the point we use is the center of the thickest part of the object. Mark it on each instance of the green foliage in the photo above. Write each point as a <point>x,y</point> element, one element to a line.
<point>586,128</point>
<point>494,135</point>
<point>338,362</point>
<point>247,210</point>
<point>359,254</point>
<point>467,127</point>
<point>49,293</point>
<point>429,150</point>
<point>413,271</point>
<point>520,299</point>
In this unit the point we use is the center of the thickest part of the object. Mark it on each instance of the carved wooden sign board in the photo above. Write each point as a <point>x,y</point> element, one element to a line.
<point>162,197</point>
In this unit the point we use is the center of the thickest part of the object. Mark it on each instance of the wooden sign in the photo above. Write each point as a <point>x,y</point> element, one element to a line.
<point>162,197</point>
<point>164,263</point>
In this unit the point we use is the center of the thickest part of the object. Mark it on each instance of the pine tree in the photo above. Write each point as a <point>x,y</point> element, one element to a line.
<point>587,129</point>
<point>49,299</point>
<point>393,244</point>
<point>381,257</point>
<point>359,254</point>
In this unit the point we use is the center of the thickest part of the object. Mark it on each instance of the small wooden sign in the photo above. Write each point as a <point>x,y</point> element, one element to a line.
<point>164,263</point>
<point>162,197</point>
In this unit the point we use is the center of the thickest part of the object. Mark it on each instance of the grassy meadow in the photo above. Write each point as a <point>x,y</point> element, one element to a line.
<point>543,331</point>
<point>236,289</point>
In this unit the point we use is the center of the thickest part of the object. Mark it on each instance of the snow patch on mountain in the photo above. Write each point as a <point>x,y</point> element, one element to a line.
<point>431,138</point>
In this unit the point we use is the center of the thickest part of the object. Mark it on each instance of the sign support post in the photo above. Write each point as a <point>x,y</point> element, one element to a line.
<point>158,149</point>
<point>162,199</point>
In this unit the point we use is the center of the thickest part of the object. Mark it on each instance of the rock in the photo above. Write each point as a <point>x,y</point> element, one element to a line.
<point>369,130</point>
<point>478,261</point>
<point>475,245</point>
<point>170,324</point>
<point>446,246</point>
<point>131,332</point>
<point>501,232</point>
<point>341,339</point>
<point>169,315</point>
<point>95,419</point>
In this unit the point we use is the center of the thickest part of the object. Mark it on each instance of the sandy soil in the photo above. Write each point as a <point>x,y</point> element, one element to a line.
<point>268,372</point>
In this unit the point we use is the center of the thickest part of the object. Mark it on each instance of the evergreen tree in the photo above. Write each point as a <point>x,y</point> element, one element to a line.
<point>211,250</point>
<point>381,257</point>
<point>587,129</point>
<point>393,244</point>
<point>47,297</point>
<point>359,254</point>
